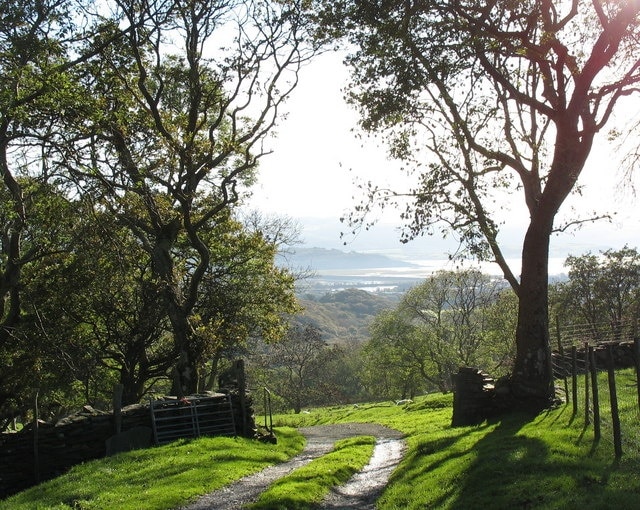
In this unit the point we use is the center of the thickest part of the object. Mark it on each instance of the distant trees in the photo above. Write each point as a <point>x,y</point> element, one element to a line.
<point>294,367</point>
<point>395,360</point>
<point>344,314</point>
<point>449,320</point>
<point>487,102</point>
<point>601,299</point>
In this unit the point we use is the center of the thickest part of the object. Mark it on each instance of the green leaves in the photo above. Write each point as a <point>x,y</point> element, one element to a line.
<point>601,299</point>
<point>438,326</point>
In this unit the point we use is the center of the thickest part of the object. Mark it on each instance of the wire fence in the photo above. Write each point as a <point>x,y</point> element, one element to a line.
<point>598,375</point>
<point>596,333</point>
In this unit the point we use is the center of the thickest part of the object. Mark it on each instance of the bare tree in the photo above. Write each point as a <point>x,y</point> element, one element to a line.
<point>297,363</point>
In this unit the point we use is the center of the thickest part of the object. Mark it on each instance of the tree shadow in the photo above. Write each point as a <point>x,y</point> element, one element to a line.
<point>503,458</point>
<point>430,453</point>
<point>515,461</point>
<point>513,470</point>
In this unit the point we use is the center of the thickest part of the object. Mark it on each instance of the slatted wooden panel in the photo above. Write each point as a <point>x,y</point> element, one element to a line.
<point>193,417</point>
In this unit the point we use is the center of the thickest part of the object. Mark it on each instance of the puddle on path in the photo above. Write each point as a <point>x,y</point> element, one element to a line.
<point>365,487</point>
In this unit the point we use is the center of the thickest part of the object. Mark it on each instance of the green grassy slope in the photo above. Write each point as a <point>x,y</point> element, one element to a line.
<point>156,478</point>
<point>549,461</point>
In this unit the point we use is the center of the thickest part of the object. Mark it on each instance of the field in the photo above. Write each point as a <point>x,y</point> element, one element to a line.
<point>548,461</point>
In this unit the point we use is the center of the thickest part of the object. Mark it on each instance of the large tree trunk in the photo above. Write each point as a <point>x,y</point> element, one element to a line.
<point>185,371</point>
<point>10,275</point>
<point>533,376</point>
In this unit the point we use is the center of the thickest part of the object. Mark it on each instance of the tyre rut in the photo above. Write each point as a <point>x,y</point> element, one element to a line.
<point>361,491</point>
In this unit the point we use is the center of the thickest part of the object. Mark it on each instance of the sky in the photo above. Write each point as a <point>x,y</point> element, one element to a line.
<point>317,157</point>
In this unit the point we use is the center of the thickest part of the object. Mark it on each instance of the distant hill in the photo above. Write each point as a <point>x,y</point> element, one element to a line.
<point>322,259</point>
<point>344,315</point>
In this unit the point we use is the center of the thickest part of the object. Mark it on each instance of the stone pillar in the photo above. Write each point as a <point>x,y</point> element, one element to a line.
<point>472,398</point>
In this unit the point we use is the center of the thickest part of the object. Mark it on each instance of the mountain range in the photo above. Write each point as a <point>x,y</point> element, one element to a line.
<point>322,259</point>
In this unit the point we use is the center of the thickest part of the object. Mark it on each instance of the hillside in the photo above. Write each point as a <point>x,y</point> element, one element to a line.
<point>344,315</point>
<point>546,462</point>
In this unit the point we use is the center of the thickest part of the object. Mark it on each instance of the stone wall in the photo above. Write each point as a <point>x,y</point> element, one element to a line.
<point>31,456</point>
<point>472,398</point>
<point>478,397</point>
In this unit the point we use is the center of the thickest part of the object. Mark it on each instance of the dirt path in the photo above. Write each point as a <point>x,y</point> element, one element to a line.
<point>361,491</point>
<point>364,488</point>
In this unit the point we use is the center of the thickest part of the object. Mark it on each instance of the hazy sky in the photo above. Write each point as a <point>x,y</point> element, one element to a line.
<point>310,177</point>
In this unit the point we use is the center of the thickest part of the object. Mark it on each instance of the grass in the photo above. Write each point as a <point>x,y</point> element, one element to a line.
<point>307,486</point>
<point>548,461</point>
<point>157,478</point>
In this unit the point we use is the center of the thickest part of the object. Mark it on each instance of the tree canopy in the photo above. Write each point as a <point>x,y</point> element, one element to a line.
<point>486,103</point>
<point>129,133</point>
<point>449,320</point>
<point>600,302</point>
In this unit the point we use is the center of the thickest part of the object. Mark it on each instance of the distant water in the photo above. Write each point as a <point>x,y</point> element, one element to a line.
<point>425,268</point>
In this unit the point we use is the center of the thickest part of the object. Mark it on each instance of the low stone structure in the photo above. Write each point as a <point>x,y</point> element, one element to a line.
<point>624,356</point>
<point>40,453</point>
<point>473,397</point>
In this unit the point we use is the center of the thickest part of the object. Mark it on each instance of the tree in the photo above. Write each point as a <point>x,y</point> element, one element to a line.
<point>487,102</point>
<point>396,361</point>
<point>243,295</point>
<point>297,364</point>
<point>115,311</point>
<point>498,349</point>
<point>32,45</point>
<point>440,325</point>
<point>42,44</point>
<point>26,363</point>
<point>449,320</point>
<point>183,109</point>
<point>601,299</point>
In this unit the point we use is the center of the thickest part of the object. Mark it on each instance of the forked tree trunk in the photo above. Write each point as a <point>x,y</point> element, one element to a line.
<point>185,377</point>
<point>532,381</point>
<point>185,371</point>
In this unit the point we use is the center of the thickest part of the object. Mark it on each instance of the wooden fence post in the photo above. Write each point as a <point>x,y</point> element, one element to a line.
<point>587,418</point>
<point>596,396</point>
<point>117,408</point>
<point>36,431</point>
<point>561,352</point>
<point>242,393</point>
<point>574,378</point>
<point>615,416</point>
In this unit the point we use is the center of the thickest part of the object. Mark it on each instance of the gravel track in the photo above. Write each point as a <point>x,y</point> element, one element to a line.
<point>360,492</point>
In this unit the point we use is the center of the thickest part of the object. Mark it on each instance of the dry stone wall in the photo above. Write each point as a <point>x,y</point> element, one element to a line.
<point>40,453</point>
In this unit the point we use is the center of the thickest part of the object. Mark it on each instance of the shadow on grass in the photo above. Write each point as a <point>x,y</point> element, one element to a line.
<point>532,461</point>
<point>499,475</point>
<point>429,453</point>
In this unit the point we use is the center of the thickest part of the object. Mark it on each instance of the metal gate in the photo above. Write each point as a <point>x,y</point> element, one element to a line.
<point>192,417</point>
